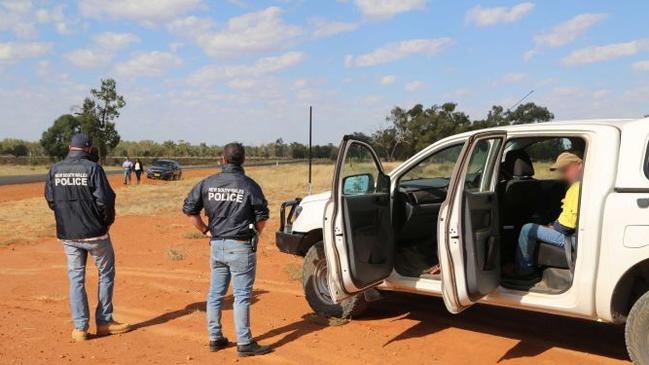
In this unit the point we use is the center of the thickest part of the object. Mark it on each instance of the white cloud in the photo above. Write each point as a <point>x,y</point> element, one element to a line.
<point>388,8</point>
<point>484,17</point>
<point>325,28</point>
<point>396,51</point>
<point>191,26</point>
<point>12,52</point>
<point>89,58</point>
<point>565,32</point>
<point>261,67</point>
<point>514,77</point>
<point>641,65</point>
<point>605,53</point>
<point>149,64</point>
<point>101,53</point>
<point>414,86</point>
<point>144,10</point>
<point>22,18</point>
<point>260,31</point>
<point>388,79</point>
<point>458,93</point>
<point>115,41</point>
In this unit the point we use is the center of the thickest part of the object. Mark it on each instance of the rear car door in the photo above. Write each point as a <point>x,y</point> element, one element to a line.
<point>468,229</point>
<point>358,234</point>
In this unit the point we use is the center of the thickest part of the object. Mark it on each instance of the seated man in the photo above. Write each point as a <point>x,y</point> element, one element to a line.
<point>570,167</point>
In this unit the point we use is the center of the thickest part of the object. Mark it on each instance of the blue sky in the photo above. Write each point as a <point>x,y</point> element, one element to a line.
<point>215,71</point>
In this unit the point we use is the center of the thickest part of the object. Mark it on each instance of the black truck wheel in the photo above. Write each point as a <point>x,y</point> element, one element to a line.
<point>316,288</point>
<point>636,332</point>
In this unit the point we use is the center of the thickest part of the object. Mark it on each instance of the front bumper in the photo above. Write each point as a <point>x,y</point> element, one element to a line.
<point>286,240</point>
<point>159,175</point>
<point>293,243</point>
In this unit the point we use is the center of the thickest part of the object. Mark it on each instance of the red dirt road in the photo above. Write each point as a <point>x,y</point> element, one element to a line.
<point>165,301</point>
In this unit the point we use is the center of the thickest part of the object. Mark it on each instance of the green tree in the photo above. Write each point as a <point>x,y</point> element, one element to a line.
<point>56,139</point>
<point>98,113</point>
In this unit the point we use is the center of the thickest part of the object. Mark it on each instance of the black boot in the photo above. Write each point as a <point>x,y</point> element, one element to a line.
<point>219,344</point>
<point>253,349</point>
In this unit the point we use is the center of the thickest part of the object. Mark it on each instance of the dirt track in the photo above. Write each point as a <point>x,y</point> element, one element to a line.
<point>165,300</point>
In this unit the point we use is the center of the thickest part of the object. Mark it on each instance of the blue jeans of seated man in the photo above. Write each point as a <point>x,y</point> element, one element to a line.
<point>231,260</point>
<point>77,257</point>
<point>528,242</point>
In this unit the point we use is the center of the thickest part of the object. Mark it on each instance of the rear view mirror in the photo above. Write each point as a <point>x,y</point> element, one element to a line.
<point>358,184</point>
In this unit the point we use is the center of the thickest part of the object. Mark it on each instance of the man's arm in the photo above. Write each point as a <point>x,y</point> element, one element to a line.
<point>49,195</point>
<point>193,206</point>
<point>198,222</point>
<point>104,195</point>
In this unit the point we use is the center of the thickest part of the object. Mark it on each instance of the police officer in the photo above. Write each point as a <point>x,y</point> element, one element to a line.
<point>83,202</point>
<point>236,211</point>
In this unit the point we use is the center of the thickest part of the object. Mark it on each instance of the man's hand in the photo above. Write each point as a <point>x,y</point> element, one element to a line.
<point>197,221</point>
<point>260,226</point>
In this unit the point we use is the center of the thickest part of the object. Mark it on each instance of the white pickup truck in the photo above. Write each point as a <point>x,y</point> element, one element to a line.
<point>460,204</point>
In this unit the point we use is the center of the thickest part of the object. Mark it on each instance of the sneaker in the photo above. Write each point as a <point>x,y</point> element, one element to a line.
<point>79,335</point>
<point>219,344</point>
<point>112,328</point>
<point>253,349</point>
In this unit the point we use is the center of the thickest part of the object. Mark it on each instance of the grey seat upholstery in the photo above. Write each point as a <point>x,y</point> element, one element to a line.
<point>520,191</point>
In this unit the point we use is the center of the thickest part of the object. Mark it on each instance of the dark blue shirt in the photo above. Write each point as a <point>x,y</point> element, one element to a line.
<point>232,201</point>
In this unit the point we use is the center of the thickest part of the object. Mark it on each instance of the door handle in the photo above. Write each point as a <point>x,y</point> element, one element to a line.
<point>643,203</point>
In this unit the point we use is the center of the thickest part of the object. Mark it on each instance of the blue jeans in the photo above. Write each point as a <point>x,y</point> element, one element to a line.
<point>104,257</point>
<point>528,241</point>
<point>231,260</point>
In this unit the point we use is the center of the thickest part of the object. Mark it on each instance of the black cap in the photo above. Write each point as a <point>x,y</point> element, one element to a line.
<point>81,140</point>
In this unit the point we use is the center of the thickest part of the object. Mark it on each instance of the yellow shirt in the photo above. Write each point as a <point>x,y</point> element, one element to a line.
<point>570,209</point>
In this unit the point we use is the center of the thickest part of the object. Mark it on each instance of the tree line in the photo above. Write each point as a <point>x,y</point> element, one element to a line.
<point>407,131</point>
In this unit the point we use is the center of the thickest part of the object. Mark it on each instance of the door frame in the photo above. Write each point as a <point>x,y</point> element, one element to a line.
<point>454,283</point>
<point>341,284</point>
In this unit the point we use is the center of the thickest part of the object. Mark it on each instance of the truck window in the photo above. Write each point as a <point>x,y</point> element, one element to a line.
<point>646,162</point>
<point>543,154</point>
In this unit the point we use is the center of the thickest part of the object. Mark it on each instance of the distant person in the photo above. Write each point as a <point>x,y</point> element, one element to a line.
<point>237,211</point>
<point>128,169</point>
<point>83,202</point>
<point>138,167</point>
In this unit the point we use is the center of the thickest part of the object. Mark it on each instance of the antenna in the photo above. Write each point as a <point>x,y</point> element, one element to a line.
<point>522,99</point>
<point>310,145</point>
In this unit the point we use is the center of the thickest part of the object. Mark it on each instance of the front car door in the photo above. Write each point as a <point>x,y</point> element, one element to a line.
<point>468,227</point>
<point>358,235</point>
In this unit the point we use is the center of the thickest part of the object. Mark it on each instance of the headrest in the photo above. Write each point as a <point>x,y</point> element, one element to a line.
<point>517,164</point>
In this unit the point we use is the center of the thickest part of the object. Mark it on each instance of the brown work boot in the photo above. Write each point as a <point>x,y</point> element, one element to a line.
<point>79,335</point>
<point>112,328</point>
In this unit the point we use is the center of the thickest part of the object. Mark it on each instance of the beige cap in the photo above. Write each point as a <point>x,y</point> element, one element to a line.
<point>564,159</point>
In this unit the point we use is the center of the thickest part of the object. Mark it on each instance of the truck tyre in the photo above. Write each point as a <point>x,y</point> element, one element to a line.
<point>636,332</point>
<point>316,288</point>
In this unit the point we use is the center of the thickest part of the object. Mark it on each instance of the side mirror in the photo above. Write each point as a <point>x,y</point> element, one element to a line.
<point>358,184</point>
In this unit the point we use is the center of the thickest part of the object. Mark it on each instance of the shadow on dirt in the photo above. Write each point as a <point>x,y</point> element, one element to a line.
<point>292,331</point>
<point>536,332</point>
<point>191,308</point>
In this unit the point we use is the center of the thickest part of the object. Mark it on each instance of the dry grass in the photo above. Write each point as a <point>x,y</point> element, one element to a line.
<point>193,235</point>
<point>9,170</point>
<point>294,271</point>
<point>176,253</point>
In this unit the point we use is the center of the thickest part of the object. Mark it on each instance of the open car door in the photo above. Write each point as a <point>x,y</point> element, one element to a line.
<point>468,227</point>
<point>358,236</point>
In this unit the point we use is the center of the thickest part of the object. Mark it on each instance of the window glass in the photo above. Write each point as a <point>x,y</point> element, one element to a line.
<point>439,165</point>
<point>646,162</point>
<point>360,171</point>
<point>480,167</point>
<point>544,153</point>
<point>432,175</point>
